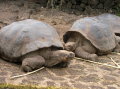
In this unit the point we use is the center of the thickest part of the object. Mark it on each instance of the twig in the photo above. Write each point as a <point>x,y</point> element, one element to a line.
<point>115,53</point>
<point>98,63</point>
<point>27,73</point>
<point>114,61</point>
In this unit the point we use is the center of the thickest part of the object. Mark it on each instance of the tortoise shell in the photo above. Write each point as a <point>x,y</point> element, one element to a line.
<point>99,34</point>
<point>22,37</point>
<point>110,19</point>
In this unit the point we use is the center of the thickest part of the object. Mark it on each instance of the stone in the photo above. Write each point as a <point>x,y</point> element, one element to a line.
<point>75,72</point>
<point>59,72</point>
<point>111,87</point>
<point>104,83</point>
<point>49,83</point>
<point>89,78</point>
<point>96,87</point>
<point>109,78</point>
<point>81,86</point>
<point>65,84</point>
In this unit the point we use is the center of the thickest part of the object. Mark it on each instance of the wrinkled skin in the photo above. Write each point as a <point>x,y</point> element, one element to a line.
<point>47,57</point>
<point>84,48</point>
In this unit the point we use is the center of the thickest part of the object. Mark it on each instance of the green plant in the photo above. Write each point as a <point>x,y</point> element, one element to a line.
<point>10,86</point>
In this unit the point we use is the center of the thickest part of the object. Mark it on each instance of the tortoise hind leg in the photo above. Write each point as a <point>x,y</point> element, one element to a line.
<point>80,52</point>
<point>32,63</point>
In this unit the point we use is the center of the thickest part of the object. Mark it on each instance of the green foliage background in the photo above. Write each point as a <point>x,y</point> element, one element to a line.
<point>81,5</point>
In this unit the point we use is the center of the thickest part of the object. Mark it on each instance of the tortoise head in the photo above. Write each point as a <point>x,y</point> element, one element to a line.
<point>71,39</point>
<point>59,56</point>
<point>70,46</point>
<point>63,55</point>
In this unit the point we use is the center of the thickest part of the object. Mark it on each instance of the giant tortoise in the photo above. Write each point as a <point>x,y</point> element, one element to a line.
<point>34,44</point>
<point>89,37</point>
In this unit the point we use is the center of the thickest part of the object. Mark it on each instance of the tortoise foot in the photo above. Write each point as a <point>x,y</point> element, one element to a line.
<point>93,57</point>
<point>32,63</point>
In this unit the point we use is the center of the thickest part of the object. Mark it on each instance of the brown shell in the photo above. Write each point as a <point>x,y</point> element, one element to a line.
<point>26,36</point>
<point>110,19</point>
<point>99,34</point>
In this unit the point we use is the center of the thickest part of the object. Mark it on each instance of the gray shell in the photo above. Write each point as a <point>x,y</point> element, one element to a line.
<point>110,19</point>
<point>99,34</point>
<point>22,37</point>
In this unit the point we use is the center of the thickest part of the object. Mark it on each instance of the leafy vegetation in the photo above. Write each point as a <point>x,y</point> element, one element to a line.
<point>10,86</point>
<point>83,5</point>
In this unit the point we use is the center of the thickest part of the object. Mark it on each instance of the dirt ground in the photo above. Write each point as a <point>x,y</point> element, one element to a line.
<point>79,74</point>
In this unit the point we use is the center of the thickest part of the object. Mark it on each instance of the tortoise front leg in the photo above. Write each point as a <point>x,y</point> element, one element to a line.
<point>31,63</point>
<point>117,39</point>
<point>80,52</point>
<point>117,48</point>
